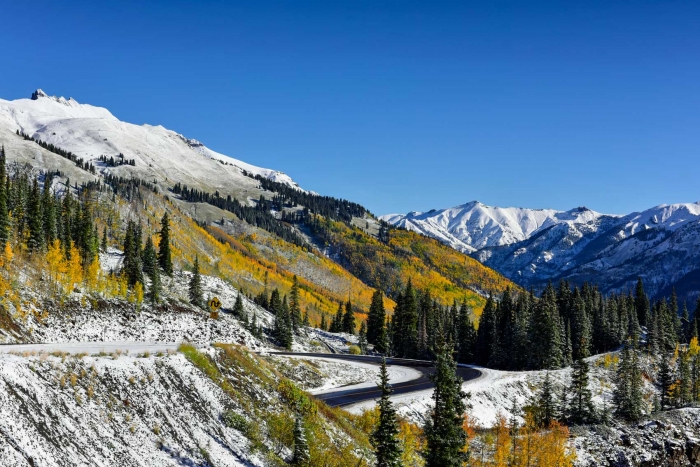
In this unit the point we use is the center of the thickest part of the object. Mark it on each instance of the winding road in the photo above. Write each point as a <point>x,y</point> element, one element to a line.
<point>345,397</point>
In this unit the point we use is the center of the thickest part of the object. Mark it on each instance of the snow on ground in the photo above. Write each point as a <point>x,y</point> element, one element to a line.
<point>91,348</point>
<point>494,392</point>
<point>352,375</point>
<point>119,410</point>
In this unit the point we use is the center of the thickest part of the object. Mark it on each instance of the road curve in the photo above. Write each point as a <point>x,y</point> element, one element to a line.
<point>345,397</point>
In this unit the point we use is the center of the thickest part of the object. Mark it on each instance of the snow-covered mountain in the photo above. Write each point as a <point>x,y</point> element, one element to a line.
<point>89,132</point>
<point>473,226</point>
<point>532,246</point>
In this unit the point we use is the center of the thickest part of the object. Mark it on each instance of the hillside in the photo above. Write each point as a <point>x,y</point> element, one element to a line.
<point>248,225</point>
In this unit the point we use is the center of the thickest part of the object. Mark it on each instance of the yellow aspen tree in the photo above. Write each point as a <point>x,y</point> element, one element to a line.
<point>501,454</point>
<point>138,293</point>
<point>92,275</point>
<point>75,268</point>
<point>55,263</point>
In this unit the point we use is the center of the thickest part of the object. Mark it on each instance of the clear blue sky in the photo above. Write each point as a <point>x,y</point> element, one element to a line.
<point>397,105</point>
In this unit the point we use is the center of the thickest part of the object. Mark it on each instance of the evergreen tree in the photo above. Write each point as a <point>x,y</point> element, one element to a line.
<point>641,303</point>
<point>337,322</point>
<point>131,265</point>
<point>666,379</point>
<point>484,339</point>
<point>49,213</point>
<point>195,291</point>
<point>275,304</point>
<point>546,406</point>
<point>36,224</point>
<point>155,287</point>
<point>444,434</point>
<point>545,332</point>
<point>294,305</point>
<point>384,438</point>
<point>103,245</point>
<point>164,255</point>
<point>348,324</point>
<point>283,326</point>
<point>301,446</point>
<point>376,318</point>
<point>466,335</point>
<point>305,322</point>
<point>238,310</point>
<point>149,257</point>
<point>628,395</point>
<point>323,326</point>
<point>581,408</point>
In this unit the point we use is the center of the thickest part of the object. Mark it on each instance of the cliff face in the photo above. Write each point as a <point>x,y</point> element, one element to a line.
<point>671,439</point>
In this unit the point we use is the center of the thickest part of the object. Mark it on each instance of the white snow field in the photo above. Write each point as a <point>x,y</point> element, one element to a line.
<point>345,374</point>
<point>90,347</point>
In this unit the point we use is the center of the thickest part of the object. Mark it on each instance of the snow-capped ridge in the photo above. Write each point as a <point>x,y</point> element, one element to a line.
<point>159,154</point>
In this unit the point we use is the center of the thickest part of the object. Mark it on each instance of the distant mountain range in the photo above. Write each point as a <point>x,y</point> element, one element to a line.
<point>533,246</point>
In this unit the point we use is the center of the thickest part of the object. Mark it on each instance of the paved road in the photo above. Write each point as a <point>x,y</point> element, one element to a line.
<point>344,397</point>
<point>91,347</point>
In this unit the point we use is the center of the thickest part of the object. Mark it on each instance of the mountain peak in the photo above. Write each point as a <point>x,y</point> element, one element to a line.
<point>38,93</point>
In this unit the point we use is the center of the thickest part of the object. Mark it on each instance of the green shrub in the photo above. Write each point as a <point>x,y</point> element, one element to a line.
<point>354,350</point>
<point>236,421</point>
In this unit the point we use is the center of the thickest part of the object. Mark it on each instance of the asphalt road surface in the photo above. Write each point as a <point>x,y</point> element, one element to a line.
<point>344,397</point>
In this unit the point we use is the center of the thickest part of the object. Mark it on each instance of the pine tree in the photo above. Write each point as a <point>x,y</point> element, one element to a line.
<point>466,335</point>
<point>195,291</point>
<point>275,304</point>
<point>305,322</point>
<point>323,326</point>
<point>132,260</point>
<point>103,245</point>
<point>641,303</point>
<point>283,326</point>
<point>384,438</point>
<point>443,430</point>
<point>581,408</point>
<point>154,289</point>
<point>666,379</point>
<point>149,257</point>
<point>301,455</point>
<point>348,319</point>
<point>546,406</point>
<point>337,322</point>
<point>164,255</point>
<point>49,212</point>
<point>238,310</point>
<point>294,305</point>
<point>36,230</point>
<point>628,394</point>
<point>376,318</point>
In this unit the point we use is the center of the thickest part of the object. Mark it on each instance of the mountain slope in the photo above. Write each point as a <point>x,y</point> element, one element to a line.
<point>532,246</point>
<point>159,154</point>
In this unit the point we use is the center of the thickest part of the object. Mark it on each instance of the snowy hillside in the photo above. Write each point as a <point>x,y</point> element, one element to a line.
<point>533,246</point>
<point>160,154</point>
